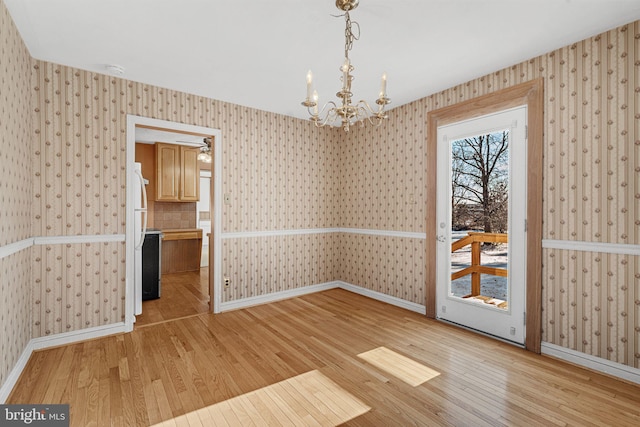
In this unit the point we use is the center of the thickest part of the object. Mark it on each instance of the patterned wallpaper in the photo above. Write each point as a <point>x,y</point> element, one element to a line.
<point>383,182</point>
<point>592,303</point>
<point>263,265</point>
<point>279,171</point>
<point>15,309</point>
<point>79,165</point>
<point>15,193</point>
<point>15,131</point>
<point>591,189</point>
<point>77,286</point>
<point>392,265</point>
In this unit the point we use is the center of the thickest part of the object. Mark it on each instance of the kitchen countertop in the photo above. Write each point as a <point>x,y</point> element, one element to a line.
<point>182,233</point>
<point>179,230</point>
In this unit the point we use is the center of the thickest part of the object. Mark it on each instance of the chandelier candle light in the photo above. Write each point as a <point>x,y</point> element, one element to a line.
<point>347,113</point>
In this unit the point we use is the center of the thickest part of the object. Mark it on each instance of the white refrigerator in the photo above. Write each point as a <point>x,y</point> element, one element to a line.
<point>140,227</point>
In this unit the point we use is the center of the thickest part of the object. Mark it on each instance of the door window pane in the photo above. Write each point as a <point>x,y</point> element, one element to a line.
<point>480,218</point>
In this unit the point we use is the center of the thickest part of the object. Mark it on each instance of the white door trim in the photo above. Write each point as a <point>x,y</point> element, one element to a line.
<point>132,121</point>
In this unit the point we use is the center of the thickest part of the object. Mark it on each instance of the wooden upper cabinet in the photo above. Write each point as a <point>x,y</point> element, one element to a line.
<point>189,174</point>
<point>177,173</point>
<point>167,172</point>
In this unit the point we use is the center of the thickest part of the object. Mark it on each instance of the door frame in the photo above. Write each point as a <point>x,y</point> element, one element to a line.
<point>207,173</point>
<point>529,94</point>
<point>215,249</point>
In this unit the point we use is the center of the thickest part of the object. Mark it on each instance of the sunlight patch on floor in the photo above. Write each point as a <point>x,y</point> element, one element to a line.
<point>401,367</point>
<point>309,399</point>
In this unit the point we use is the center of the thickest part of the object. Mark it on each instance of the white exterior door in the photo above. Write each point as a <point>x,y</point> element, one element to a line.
<point>482,198</point>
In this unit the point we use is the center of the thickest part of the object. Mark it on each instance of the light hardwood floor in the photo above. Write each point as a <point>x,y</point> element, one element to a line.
<point>322,359</point>
<point>183,294</point>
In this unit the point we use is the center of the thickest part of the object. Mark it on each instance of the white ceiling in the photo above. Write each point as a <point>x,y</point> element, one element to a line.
<point>257,52</point>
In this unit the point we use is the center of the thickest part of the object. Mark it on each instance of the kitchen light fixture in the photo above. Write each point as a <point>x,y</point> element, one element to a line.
<point>347,113</point>
<point>205,151</point>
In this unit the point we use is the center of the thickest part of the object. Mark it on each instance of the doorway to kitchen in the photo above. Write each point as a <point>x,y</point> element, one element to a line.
<point>166,154</point>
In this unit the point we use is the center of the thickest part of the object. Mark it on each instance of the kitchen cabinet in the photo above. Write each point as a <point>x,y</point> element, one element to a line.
<point>177,173</point>
<point>189,174</point>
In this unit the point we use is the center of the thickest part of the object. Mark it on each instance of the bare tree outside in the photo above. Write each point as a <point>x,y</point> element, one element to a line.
<point>479,180</point>
<point>480,203</point>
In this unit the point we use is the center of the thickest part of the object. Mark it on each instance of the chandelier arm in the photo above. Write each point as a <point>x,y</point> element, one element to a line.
<point>328,116</point>
<point>325,106</point>
<point>374,117</point>
<point>332,116</point>
<point>366,107</point>
<point>380,113</point>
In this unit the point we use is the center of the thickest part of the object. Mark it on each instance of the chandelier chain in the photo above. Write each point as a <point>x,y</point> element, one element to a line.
<point>349,35</point>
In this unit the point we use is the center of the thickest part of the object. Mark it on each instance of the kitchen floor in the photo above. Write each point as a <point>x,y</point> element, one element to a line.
<point>183,294</point>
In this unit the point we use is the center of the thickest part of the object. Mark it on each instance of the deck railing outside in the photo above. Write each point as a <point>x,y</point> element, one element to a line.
<point>475,239</point>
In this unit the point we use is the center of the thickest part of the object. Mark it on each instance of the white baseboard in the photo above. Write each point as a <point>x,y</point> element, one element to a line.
<point>75,336</point>
<point>53,341</point>
<point>398,302</point>
<point>15,373</point>
<point>592,362</point>
<point>276,296</point>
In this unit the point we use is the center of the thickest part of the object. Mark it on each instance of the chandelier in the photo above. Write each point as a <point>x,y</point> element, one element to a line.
<point>205,151</point>
<point>347,114</point>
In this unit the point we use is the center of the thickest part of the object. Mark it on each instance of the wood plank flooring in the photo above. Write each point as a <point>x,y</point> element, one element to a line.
<point>260,366</point>
<point>183,294</point>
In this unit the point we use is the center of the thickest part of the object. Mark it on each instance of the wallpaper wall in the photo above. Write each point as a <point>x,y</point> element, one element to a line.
<point>77,286</point>
<point>15,131</point>
<point>279,171</point>
<point>392,265</point>
<point>263,265</point>
<point>383,183</point>
<point>15,309</point>
<point>591,301</point>
<point>15,193</point>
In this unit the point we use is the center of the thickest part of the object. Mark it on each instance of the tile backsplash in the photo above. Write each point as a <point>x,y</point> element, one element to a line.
<point>168,215</point>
